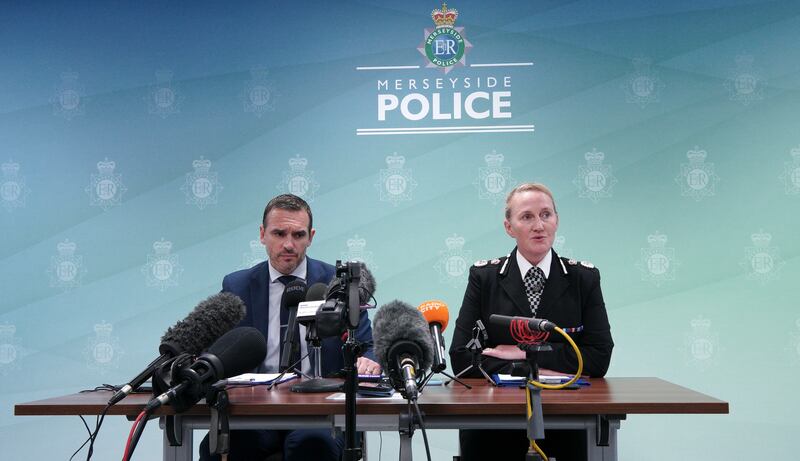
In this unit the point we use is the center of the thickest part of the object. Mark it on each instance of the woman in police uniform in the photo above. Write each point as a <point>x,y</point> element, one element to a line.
<point>532,281</point>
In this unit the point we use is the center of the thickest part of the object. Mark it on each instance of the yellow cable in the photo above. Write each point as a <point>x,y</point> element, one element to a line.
<point>577,374</point>
<point>554,386</point>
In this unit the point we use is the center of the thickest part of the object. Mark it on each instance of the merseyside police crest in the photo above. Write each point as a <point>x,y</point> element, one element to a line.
<point>103,352</point>
<point>105,189</point>
<point>164,99</point>
<point>256,255</point>
<point>12,188</point>
<point>298,181</point>
<point>643,86</point>
<point>66,268</point>
<point>453,262</point>
<point>701,344</point>
<point>259,93</point>
<point>762,261</point>
<point>657,263</point>
<point>356,251</point>
<point>395,184</point>
<point>68,102</point>
<point>10,349</point>
<point>201,186</point>
<point>494,181</point>
<point>444,46</point>
<point>697,178</point>
<point>162,269</point>
<point>791,173</point>
<point>744,84</point>
<point>595,179</point>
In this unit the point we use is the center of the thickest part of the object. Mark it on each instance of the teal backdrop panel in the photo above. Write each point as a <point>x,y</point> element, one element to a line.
<point>140,142</point>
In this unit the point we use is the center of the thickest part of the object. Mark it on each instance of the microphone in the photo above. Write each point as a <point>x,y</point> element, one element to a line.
<point>293,294</point>
<point>437,316</point>
<point>204,325</point>
<point>366,285</point>
<point>402,345</point>
<point>533,324</point>
<point>236,352</point>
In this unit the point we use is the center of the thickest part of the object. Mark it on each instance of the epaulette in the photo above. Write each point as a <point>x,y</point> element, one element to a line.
<point>487,262</point>
<point>575,262</point>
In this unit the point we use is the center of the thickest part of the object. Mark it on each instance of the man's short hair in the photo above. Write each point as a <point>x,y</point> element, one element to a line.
<point>289,202</point>
<point>527,187</point>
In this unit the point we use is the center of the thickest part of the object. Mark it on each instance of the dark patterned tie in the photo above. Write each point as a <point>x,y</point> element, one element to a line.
<point>534,284</point>
<point>285,280</point>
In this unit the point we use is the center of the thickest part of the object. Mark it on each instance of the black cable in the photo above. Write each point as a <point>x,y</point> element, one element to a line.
<point>89,431</point>
<point>136,435</point>
<point>380,445</point>
<point>424,434</point>
<point>98,423</point>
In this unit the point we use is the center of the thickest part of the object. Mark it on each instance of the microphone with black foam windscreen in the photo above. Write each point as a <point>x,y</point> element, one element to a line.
<point>236,352</point>
<point>403,345</point>
<point>293,295</point>
<point>366,286</point>
<point>208,321</point>
<point>437,316</point>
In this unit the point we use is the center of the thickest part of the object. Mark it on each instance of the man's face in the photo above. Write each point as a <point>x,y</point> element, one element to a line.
<point>286,237</point>
<point>533,224</point>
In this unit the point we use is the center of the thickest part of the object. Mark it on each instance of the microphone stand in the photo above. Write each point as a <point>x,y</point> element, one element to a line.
<point>317,383</point>
<point>351,349</point>
<point>535,423</point>
<point>293,368</point>
<point>476,349</point>
<point>452,378</point>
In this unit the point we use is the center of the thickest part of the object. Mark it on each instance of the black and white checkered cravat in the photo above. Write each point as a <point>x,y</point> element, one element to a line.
<point>534,284</point>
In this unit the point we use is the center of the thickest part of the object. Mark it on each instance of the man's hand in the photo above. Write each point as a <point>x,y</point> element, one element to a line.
<point>505,352</point>
<point>367,367</point>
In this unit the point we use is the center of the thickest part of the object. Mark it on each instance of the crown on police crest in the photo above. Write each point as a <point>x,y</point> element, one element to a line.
<point>103,328</point>
<point>444,17</point>
<point>657,240</point>
<point>298,163</point>
<point>455,242</point>
<point>795,153</point>
<point>696,155</point>
<point>761,238</point>
<point>255,246</point>
<point>201,165</point>
<point>395,162</point>
<point>700,323</point>
<point>494,160</point>
<point>69,76</point>
<point>106,167</point>
<point>162,246</point>
<point>356,243</point>
<point>7,330</point>
<point>11,168</point>
<point>559,240</point>
<point>594,157</point>
<point>641,62</point>
<point>66,248</point>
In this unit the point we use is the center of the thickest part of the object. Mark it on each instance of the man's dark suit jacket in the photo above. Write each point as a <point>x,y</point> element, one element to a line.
<point>252,285</point>
<point>571,298</point>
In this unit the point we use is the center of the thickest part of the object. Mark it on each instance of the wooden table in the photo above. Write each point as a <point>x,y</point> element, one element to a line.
<point>597,409</point>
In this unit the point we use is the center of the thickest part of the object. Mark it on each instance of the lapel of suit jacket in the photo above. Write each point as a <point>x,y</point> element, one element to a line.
<point>514,287</point>
<point>313,271</point>
<point>259,298</point>
<point>554,288</point>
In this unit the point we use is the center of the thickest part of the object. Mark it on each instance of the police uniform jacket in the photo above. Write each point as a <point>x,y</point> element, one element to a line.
<point>571,299</point>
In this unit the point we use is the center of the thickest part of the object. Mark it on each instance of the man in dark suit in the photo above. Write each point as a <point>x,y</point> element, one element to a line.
<point>532,281</point>
<point>286,232</point>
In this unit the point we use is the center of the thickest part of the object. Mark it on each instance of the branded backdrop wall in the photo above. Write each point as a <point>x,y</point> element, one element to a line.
<point>140,143</point>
